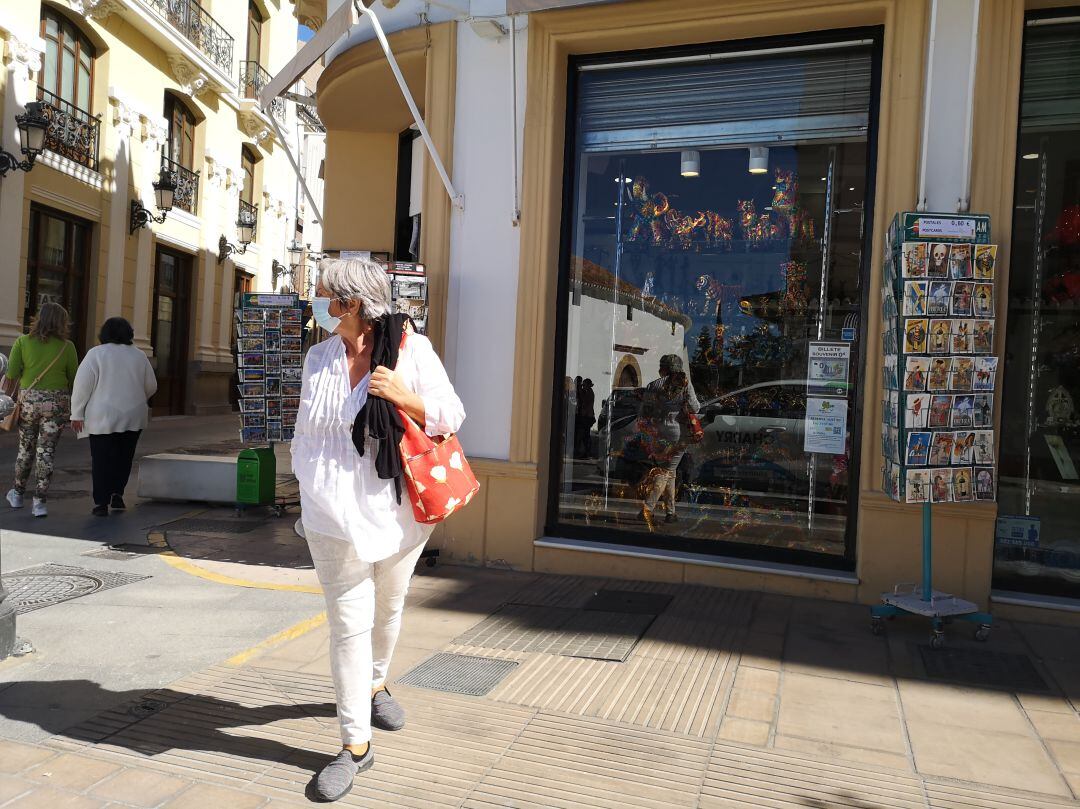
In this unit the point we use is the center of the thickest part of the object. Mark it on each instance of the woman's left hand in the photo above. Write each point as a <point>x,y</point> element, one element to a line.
<point>386,384</point>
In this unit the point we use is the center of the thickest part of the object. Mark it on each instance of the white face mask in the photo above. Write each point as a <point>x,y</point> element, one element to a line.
<point>320,310</point>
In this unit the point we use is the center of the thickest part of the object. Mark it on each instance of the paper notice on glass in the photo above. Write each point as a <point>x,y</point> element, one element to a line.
<point>827,369</point>
<point>826,426</point>
<point>1060,453</point>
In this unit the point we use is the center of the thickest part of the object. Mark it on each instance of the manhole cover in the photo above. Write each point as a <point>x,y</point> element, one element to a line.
<point>560,631</point>
<point>38,587</point>
<point>197,525</point>
<point>628,601</point>
<point>1014,672</point>
<point>147,708</point>
<point>459,674</point>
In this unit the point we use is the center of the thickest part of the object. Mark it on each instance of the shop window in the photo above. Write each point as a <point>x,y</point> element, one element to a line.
<point>56,267</point>
<point>717,226</point>
<point>1038,534</point>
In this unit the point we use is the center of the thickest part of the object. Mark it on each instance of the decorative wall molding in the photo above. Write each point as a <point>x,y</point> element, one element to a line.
<point>216,171</point>
<point>155,131</point>
<point>23,56</point>
<point>126,117</point>
<point>192,81</point>
<point>98,10</point>
<point>255,126</point>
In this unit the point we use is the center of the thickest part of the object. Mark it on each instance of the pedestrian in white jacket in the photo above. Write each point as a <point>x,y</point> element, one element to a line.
<point>109,404</point>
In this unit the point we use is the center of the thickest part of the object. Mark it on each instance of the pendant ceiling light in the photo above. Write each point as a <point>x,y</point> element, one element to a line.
<point>690,164</point>
<point>759,159</point>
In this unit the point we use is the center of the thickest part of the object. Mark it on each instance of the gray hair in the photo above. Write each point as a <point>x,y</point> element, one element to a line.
<point>358,279</point>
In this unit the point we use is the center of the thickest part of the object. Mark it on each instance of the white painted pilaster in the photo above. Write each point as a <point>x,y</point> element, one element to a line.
<point>125,121</point>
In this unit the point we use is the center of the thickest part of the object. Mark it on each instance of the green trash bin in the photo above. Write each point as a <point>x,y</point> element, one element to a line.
<point>256,476</point>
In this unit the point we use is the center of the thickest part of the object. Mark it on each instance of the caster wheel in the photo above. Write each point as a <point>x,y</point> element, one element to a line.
<point>982,634</point>
<point>877,626</point>
<point>937,640</point>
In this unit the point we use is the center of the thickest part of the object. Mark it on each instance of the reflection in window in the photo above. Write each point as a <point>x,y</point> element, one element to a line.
<point>701,265</point>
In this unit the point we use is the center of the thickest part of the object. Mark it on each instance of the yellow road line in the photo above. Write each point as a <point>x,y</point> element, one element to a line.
<point>177,562</point>
<point>284,635</point>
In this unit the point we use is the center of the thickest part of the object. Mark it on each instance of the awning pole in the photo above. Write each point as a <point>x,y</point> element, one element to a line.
<point>296,167</point>
<point>457,199</point>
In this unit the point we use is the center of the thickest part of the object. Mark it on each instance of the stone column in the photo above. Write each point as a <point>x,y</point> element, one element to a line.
<point>22,59</point>
<point>125,121</point>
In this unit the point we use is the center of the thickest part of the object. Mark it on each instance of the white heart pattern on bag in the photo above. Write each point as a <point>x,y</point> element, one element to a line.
<point>455,461</point>
<point>453,501</point>
<point>439,473</point>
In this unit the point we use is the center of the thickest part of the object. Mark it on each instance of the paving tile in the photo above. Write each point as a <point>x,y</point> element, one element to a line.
<point>202,796</point>
<point>984,757</point>
<point>1067,755</point>
<point>756,705</point>
<point>1059,726</point>
<point>843,752</point>
<point>12,787</point>
<point>139,787</point>
<point>15,756</point>
<point>752,679</point>
<point>973,708</point>
<point>1074,784</point>
<point>49,798</point>
<point>840,711</point>
<point>747,731</point>
<point>1045,703</point>
<point>72,771</point>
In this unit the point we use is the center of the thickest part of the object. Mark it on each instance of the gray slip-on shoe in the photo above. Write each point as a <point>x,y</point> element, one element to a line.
<point>335,780</point>
<point>386,712</point>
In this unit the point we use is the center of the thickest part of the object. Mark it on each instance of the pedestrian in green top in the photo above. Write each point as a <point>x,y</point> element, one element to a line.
<point>43,365</point>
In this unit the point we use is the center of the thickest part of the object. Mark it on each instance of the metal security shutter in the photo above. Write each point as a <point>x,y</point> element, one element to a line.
<point>1051,95</point>
<point>796,95</point>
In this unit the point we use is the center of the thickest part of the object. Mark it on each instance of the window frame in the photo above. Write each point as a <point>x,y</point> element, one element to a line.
<point>248,160</point>
<point>82,44</point>
<point>255,22</point>
<point>180,116</point>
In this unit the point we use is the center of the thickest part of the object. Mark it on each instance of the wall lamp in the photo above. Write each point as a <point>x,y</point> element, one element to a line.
<point>164,193</point>
<point>33,124</point>
<point>277,270</point>
<point>245,227</point>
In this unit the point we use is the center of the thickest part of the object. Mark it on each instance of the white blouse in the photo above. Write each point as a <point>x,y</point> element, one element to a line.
<point>341,495</point>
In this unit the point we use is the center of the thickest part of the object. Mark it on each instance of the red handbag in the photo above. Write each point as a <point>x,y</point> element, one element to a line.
<point>437,474</point>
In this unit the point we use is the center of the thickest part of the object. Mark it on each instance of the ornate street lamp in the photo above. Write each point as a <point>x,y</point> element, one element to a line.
<point>164,193</point>
<point>33,124</point>
<point>245,228</point>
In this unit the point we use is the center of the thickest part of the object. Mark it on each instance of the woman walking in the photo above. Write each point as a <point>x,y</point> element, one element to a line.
<point>673,401</point>
<point>43,364</point>
<point>356,513</point>
<point>109,404</point>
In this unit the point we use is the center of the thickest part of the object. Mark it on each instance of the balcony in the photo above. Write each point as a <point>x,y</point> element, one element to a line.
<point>253,77</point>
<point>198,27</point>
<point>73,133</point>
<point>186,196</point>
<point>248,215</point>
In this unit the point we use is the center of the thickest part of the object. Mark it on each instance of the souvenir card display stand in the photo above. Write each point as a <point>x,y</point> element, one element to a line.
<point>269,364</point>
<point>940,371</point>
<point>408,291</point>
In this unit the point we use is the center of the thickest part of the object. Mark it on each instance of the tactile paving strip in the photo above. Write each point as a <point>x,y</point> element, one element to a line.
<point>459,674</point>
<point>37,587</point>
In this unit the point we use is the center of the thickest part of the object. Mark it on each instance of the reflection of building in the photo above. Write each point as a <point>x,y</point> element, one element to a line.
<point>536,194</point>
<point>133,88</point>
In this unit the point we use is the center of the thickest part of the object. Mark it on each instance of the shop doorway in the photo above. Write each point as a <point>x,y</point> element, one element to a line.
<point>171,329</point>
<point>56,267</point>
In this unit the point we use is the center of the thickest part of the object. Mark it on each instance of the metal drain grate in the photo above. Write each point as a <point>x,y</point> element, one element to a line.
<point>1014,672</point>
<point>459,674</point>
<point>557,630</point>
<point>45,585</point>
<point>197,525</point>
<point>121,553</point>
<point>628,601</point>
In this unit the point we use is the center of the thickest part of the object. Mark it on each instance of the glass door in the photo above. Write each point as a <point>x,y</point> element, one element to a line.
<point>57,267</point>
<point>172,287</point>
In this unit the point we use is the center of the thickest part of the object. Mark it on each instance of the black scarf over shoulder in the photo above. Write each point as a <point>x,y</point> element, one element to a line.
<point>378,418</point>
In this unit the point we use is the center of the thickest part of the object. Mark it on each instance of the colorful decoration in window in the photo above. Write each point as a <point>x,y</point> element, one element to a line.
<point>656,222</point>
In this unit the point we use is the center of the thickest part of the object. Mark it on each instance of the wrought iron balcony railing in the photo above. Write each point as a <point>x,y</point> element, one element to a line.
<point>253,77</point>
<point>196,24</point>
<point>186,196</point>
<point>73,133</point>
<point>248,215</point>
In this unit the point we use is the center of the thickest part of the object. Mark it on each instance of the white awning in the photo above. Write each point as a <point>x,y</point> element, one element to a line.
<point>526,6</point>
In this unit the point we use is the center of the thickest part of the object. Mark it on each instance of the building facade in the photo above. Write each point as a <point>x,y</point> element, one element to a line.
<point>133,88</point>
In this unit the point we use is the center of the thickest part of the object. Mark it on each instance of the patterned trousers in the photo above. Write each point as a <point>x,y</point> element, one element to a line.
<point>44,414</point>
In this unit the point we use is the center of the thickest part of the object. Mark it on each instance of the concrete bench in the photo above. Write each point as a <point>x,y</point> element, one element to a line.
<point>201,478</point>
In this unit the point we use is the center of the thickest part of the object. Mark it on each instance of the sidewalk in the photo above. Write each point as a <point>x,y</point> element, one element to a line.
<point>728,699</point>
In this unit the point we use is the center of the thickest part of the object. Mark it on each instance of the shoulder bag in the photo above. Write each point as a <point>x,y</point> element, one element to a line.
<point>437,474</point>
<point>12,421</point>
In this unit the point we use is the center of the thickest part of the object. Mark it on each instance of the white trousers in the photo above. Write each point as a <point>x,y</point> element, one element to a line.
<point>364,601</point>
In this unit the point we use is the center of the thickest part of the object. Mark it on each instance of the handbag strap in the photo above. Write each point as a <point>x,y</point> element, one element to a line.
<point>48,368</point>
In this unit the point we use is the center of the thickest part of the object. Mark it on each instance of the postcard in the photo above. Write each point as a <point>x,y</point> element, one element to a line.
<point>963,448</point>
<point>915,298</point>
<point>273,430</point>
<point>982,341</point>
<point>917,411</point>
<point>273,339</point>
<point>983,305</point>
<point>913,260</point>
<point>252,359</point>
<point>960,261</point>
<point>985,261</point>
<point>273,364</point>
<point>249,329</point>
<point>961,336</point>
<point>939,298</point>
<point>937,264</point>
<point>252,316</point>
<point>290,403</point>
<point>917,485</point>
<point>292,330</point>
<point>253,435</point>
<point>290,316</point>
<point>892,444</point>
<point>291,361</point>
<point>938,375</point>
<point>273,318</point>
<point>941,449</point>
<point>251,344</point>
<point>963,411</point>
<point>252,374</point>
<point>253,405</point>
<point>918,447</point>
<point>290,345</point>
<point>962,376</point>
<point>940,410</point>
<point>253,419</point>
<point>961,484</point>
<point>984,483</point>
<point>915,336</point>
<point>292,374</point>
<point>940,486</point>
<point>915,374</point>
<point>290,388</point>
<point>273,386</point>
<point>940,335</point>
<point>890,480</point>
<point>985,371</point>
<point>249,389</point>
<point>961,298</point>
<point>984,410</point>
<point>273,408</point>
<point>984,447</point>
<point>288,418</point>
